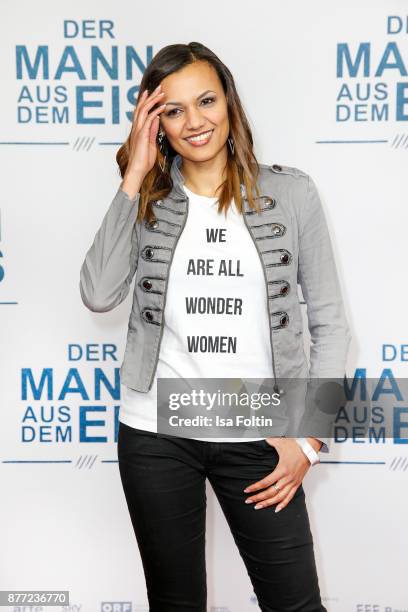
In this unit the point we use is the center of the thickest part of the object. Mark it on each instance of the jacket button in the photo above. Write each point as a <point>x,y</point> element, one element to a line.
<point>276,229</point>
<point>277,167</point>
<point>153,224</point>
<point>279,392</point>
<point>149,253</point>
<point>148,315</point>
<point>147,284</point>
<point>284,289</point>
<point>284,320</point>
<point>284,258</point>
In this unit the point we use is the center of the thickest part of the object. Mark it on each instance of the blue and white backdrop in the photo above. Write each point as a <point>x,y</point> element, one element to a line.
<point>325,88</point>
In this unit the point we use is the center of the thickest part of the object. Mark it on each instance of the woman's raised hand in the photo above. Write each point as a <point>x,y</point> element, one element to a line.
<point>142,140</point>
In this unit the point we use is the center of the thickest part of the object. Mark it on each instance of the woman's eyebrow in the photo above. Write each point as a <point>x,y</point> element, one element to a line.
<point>200,96</point>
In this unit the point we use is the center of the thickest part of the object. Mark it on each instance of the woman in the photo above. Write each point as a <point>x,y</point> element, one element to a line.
<point>245,234</point>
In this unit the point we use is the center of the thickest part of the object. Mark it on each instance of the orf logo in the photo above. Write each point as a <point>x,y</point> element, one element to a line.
<point>116,606</point>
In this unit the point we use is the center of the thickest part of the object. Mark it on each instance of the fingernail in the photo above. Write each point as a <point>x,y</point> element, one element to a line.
<point>249,501</point>
<point>246,490</point>
<point>258,506</point>
<point>277,509</point>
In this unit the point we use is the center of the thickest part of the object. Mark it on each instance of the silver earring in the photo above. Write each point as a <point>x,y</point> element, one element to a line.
<point>161,139</point>
<point>231,145</point>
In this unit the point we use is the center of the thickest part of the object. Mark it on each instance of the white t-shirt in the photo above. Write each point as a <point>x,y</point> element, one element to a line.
<point>184,350</point>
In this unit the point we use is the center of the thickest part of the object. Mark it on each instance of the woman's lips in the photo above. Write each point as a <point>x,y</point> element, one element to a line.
<point>200,143</point>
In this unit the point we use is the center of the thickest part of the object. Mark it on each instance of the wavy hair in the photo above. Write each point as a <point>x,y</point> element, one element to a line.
<point>242,166</point>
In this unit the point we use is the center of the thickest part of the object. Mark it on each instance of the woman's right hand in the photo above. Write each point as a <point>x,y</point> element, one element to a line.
<point>145,125</point>
<point>142,140</point>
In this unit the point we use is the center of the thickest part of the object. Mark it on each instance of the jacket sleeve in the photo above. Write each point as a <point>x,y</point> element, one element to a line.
<point>111,261</point>
<point>318,278</point>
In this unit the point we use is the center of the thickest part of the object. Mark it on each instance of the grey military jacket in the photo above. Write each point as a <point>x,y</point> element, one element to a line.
<point>293,242</point>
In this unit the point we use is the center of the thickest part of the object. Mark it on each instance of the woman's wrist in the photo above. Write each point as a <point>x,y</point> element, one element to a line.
<point>131,184</point>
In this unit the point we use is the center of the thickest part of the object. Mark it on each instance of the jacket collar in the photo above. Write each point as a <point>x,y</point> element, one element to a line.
<point>177,192</point>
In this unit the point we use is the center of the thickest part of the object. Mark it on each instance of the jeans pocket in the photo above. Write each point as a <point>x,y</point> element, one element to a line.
<point>264,444</point>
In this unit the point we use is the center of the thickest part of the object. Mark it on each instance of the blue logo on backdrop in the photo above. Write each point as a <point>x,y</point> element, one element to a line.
<point>373,85</point>
<point>63,408</point>
<point>55,89</point>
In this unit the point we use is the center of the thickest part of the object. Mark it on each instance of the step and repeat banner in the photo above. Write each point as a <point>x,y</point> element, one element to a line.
<point>325,88</point>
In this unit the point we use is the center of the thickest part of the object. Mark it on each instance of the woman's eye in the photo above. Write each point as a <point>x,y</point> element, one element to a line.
<point>210,99</point>
<point>172,112</point>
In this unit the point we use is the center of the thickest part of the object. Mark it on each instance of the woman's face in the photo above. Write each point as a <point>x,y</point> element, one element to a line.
<point>195,103</point>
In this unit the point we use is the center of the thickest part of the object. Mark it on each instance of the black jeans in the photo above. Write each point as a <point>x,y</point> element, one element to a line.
<point>163,479</point>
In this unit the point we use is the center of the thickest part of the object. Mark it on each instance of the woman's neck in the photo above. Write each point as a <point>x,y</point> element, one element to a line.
<point>204,177</point>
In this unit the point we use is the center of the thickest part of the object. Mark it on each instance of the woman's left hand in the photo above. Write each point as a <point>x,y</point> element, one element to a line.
<point>287,475</point>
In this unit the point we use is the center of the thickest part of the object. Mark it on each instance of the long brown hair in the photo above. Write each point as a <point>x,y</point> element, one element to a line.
<point>242,166</point>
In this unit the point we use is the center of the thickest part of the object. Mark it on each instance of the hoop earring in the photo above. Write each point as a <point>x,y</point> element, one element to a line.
<point>231,145</point>
<point>161,137</point>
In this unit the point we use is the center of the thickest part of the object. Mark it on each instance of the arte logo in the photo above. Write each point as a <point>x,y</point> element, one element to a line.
<point>78,82</point>
<point>373,85</point>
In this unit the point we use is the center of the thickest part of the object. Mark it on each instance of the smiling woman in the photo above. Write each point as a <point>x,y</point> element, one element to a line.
<point>214,298</point>
<point>198,120</point>
<point>202,119</point>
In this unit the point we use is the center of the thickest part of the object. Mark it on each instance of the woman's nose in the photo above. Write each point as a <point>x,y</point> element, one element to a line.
<point>194,119</point>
